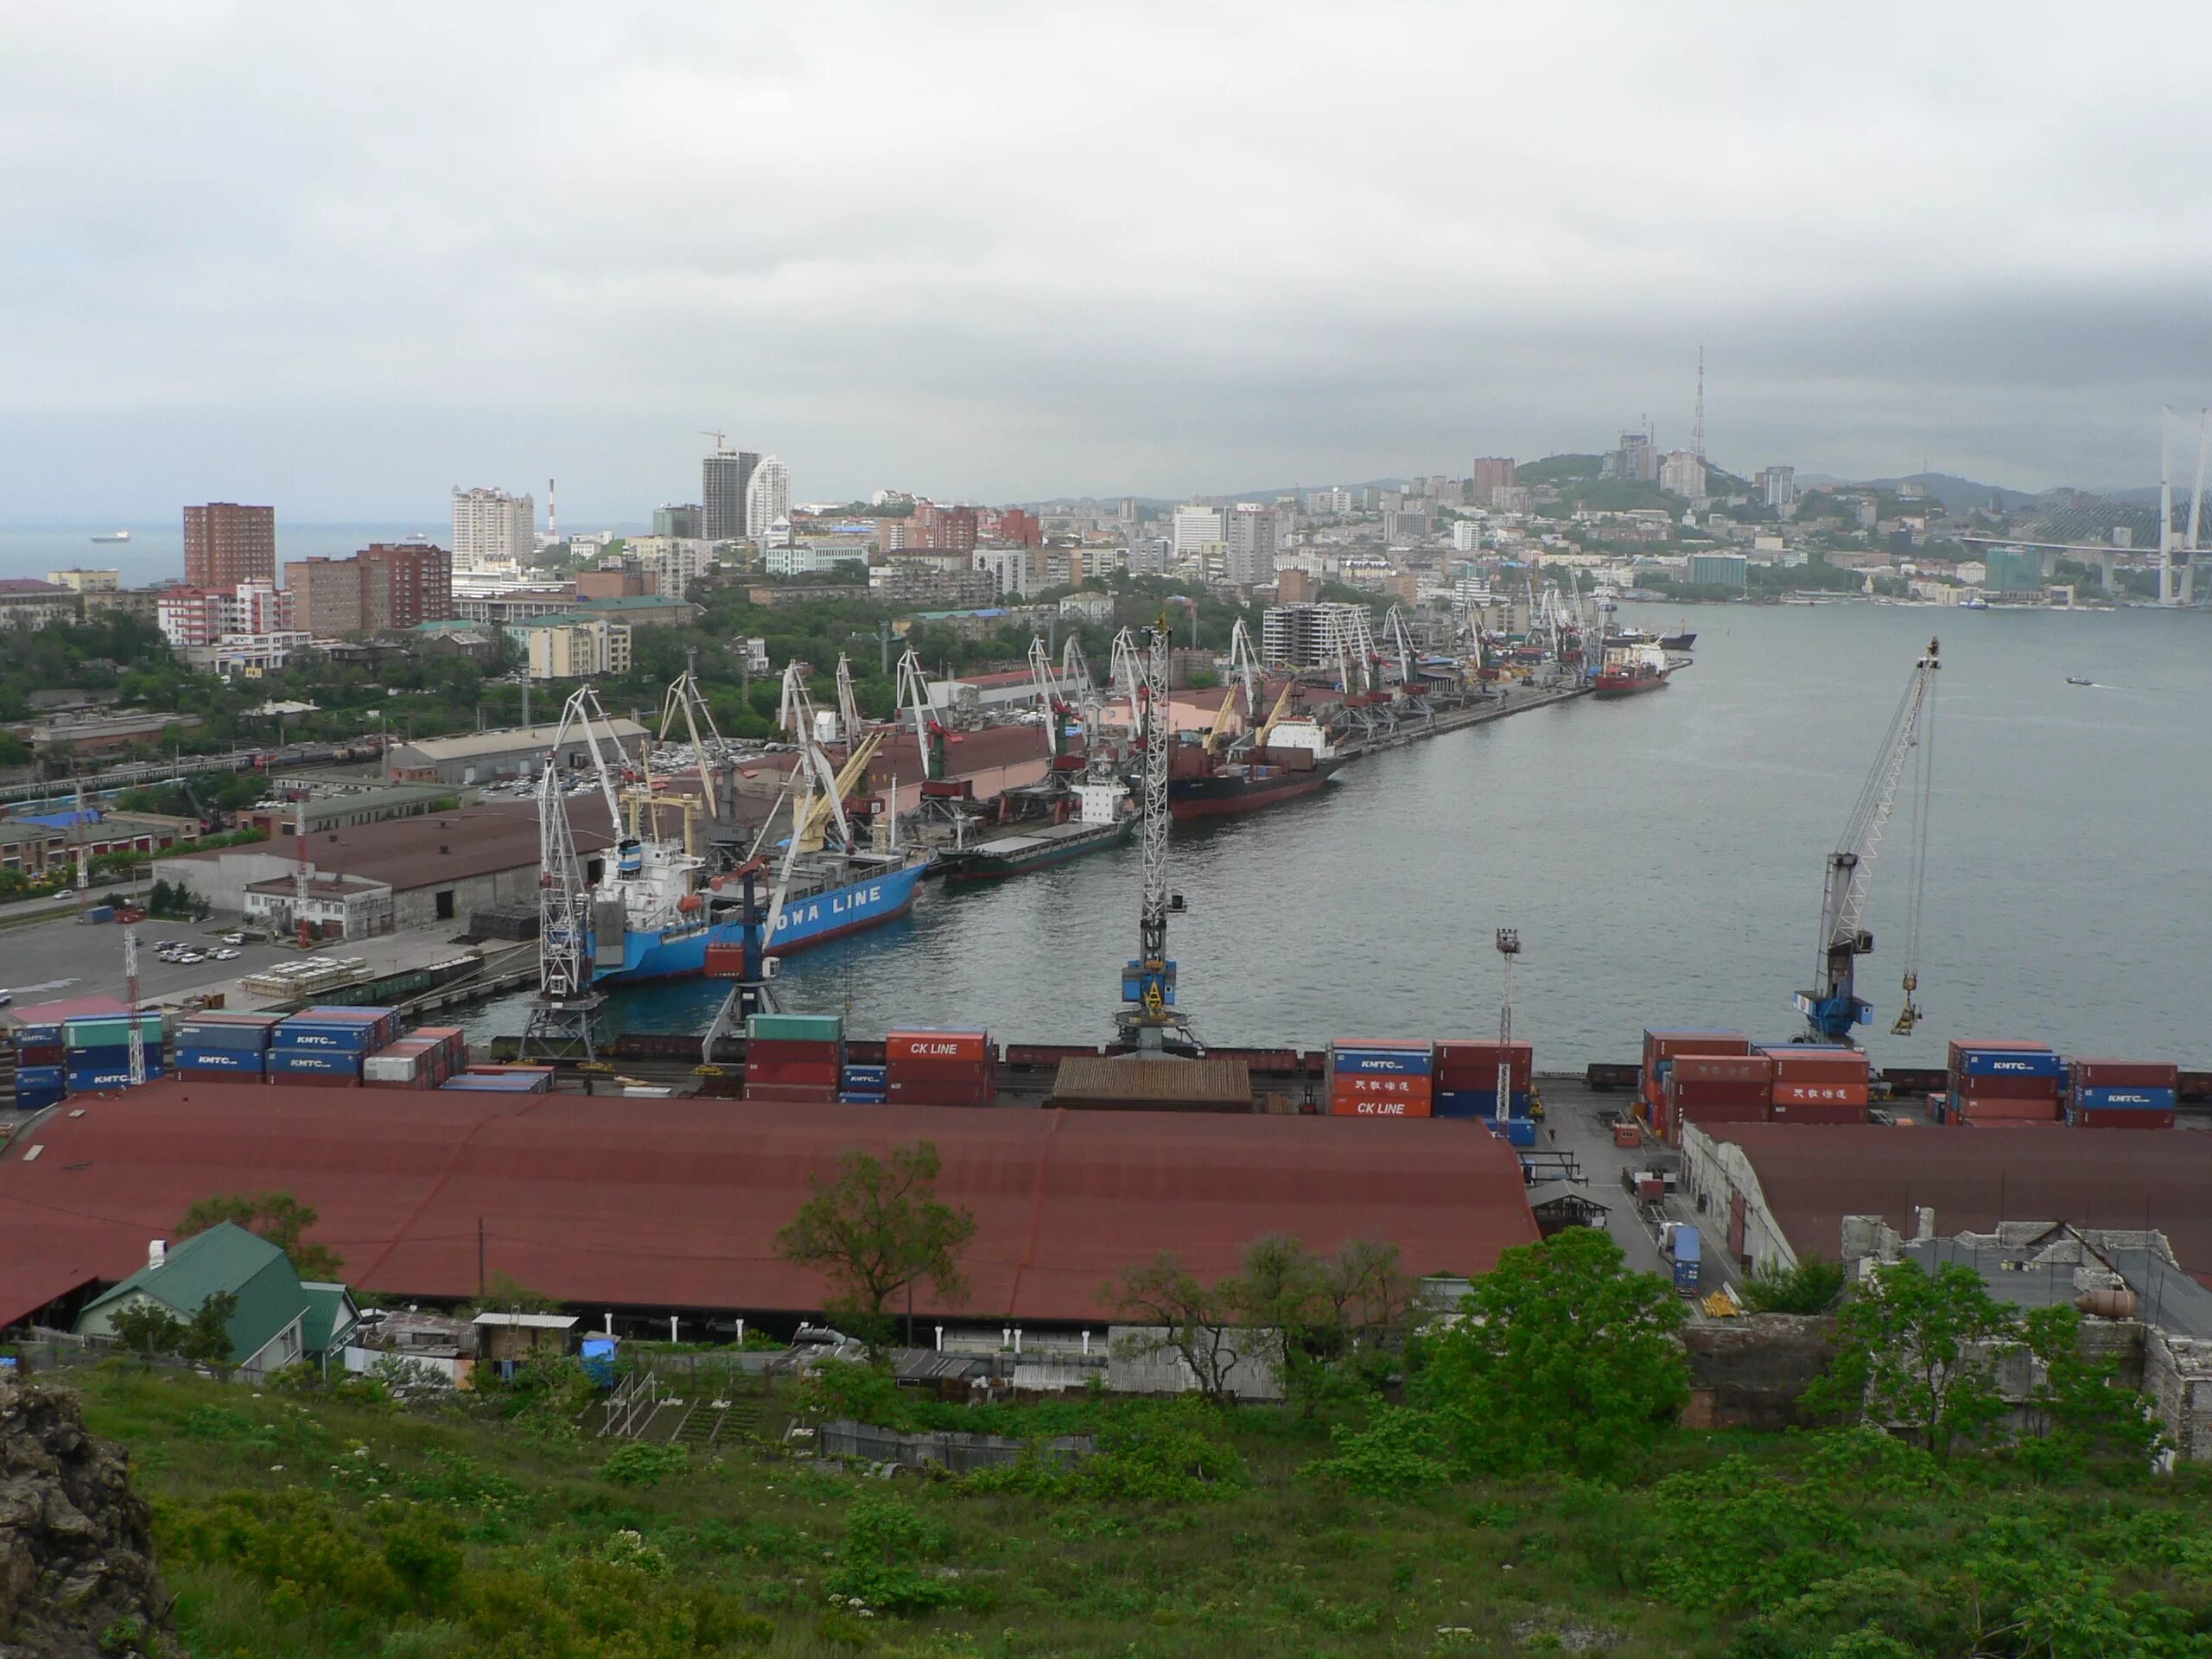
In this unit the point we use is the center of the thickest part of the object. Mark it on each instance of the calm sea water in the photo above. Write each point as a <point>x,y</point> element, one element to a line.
<point>1662,859</point>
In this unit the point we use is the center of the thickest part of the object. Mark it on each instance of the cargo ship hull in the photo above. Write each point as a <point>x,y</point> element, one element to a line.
<point>1221,794</point>
<point>995,860</point>
<point>1629,685</point>
<point>829,913</point>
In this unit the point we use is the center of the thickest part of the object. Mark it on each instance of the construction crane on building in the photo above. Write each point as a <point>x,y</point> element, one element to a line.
<point>1148,1016</point>
<point>1832,1008</point>
<point>721,443</point>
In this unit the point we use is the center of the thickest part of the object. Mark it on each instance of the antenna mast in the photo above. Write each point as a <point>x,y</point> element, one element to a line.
<point>1697,437</point>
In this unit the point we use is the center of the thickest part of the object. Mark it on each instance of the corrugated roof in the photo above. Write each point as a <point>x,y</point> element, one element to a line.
<point>1813,1176</point>
<point>676,1203</point>
<point>422,852</point>
<point>511,740</point>
<point>1156,1078</point>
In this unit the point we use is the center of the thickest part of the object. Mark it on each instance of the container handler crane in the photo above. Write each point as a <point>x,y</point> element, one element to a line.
<point>1148,1017</point>
<point>1832,1008</point>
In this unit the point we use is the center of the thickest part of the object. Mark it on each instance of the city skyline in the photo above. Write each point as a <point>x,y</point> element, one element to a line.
<point>282,296</point>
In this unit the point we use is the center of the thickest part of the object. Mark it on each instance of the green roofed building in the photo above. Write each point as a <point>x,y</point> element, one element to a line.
<point>271,1327</point>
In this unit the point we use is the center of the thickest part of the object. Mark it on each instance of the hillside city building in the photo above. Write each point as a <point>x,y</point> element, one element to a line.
<point>225,544</point>
<point>492,531</point>
<point>725,476</point>
<point>767,497</point>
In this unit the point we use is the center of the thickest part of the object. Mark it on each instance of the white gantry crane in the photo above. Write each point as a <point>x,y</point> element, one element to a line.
<point>1832,1008</point>
<point>563,1022</point>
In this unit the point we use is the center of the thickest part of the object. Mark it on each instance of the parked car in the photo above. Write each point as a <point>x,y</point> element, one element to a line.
<point>233,938</point>
<point>191,959</point>
<point>224,955</point>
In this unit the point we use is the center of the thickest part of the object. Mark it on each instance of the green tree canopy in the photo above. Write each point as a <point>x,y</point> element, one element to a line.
<point>877,1228</point>
<point>277,1216</point>
<point>1914,1352</point>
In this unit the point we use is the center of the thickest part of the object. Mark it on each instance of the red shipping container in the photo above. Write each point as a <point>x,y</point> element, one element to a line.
<point>725,960</point>
<point>1722,1068</point>
<point>808,1073</point>
<point>939,1094</point>
<point>1459,1072</point>
<point>2007,1087</point>
<point>2005,1111</point>
<point>1819,1112</point>
<point>937,1046</point>
<point>2121,1117</point>
<point>1720,1094</point>
<point>2012,1122</point>
<point>1818,1064</point>
<point>1394,1044</point>
<point>1817,1094</point>
<point>1377,1106</point>
<point>1352,1087</point>
<point>43,1054</point>
<point>2125,1074</point>
<point>797,1094</point>
<point>783,1048</point>
<point>948,1070</point>
<point>1665,1045</point>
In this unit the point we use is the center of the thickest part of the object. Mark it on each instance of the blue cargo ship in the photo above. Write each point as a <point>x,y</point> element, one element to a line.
<point>866,890</point>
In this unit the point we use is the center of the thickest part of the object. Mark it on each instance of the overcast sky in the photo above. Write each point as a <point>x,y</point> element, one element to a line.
<point>341,258</point>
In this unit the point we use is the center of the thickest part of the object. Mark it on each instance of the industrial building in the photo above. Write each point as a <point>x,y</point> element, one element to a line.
<point>508,752</point>
<point>47,840</point>
<point>1720,570</point>
<point>675,1204</point>
<point>437,869</point>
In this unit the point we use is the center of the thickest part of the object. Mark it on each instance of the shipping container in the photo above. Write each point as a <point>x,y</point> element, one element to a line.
<point>2013,1063</point>
<point>1808,1063</point>
<point>1686,1274</point>
<point>2125,1074</point>
<point>2138,1100</point>
<point>2008,1087</point>
<point>1819,1113</point>
<point>1407,1060</point>
<point>726,961</point>
<point>313,1062</point>
<point>246,1030</point>
<point>239,1062</point>
<point>42,1034</point>
<point>1688,1069</point>
<point>823,1073</point>
<point>186,1074</point>
<point>977,1072</point>
<point>1360,1085</point>
<point>770,1049</point>
<point>939,1045</point>
<point>29,1078</point>
<point>322,1037</point>
<point>939,1093</point>
<point>1461,1064</point>
<point>41,1054</point>
<point>110,1030</point>
<point>1818,1094</point>
<point>1710,1112</point>
<point>1665,1045</point>
<point>1968,1109</point>
<point>1745,1093</point>
<point>794,1094</point>
<point>794,1027</point>
<point>1478,1102</point>
<point>2121,1117</point>
<point>867,1074</point>
<point>1377,1106</point>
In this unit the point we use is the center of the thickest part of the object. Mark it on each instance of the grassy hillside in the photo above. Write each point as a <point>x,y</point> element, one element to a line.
<point>305,1523</point>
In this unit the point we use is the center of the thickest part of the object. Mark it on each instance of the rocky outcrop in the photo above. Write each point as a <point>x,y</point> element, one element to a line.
<point>77,1577</point>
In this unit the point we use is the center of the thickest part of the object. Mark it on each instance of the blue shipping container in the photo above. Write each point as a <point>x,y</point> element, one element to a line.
<point>1520,1131</point>
<point>88,1080</point>
<point>1479,1102</point>
<point>108,1054</point>
<point>39,1036</point>
<point>2011,1063</point>
<point>862,1076</point>
<point>28,1077</point>
<point>309,1062</point>
<point>200,1034</point>
<point>1382,1062</point>
<point>2141,1100</point>
<point>477,1083</point>
<point>1688,1246</point>
<point>1685,1275</point>
<point>329,1039</point>
<point>248,1060</point>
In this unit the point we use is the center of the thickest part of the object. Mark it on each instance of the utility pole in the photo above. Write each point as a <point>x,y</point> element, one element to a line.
<point>481,1281</point>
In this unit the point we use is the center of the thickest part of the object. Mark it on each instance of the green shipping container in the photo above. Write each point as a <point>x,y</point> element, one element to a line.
<point>110,1030</point>
<point>795,1027</point>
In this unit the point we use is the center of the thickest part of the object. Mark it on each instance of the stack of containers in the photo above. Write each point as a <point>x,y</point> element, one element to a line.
<point>940,1068</point>
<point>1715,1088</point>
<point>324,1047</point>
<point>502,1080</point>
<point>795,1057</point>
<point>2005,1084</point>
<point>1466,1079</point>
<point>1818,1082</point>
<point>865,1084</point>
<point>424,1060</point>
<point>96,1050</point>
<point>224,1047</point>
<point>1660,1048</point>
<point>1373,1077</point>
<point>2116,1094</point>
<point>42,1066</point>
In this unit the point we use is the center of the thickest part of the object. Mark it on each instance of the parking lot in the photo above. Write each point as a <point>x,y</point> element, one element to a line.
<point>53,960</point>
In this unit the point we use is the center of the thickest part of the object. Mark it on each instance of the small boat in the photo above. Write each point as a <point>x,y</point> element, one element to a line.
<point>2079,679</point>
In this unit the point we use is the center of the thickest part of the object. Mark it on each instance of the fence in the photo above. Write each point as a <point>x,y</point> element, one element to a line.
<point>960,1454</point>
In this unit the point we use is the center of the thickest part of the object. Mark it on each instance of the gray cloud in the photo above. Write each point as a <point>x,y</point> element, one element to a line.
<point>341,261</point>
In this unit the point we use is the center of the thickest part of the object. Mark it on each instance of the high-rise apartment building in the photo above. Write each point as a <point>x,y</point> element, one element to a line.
<point>492,531</point>
<point>1778,486</point>
<point>1303,635</point>
<point>225,544</point>
<point>1636,460</point>
<point>1251,537</point>
<point>724,479</point>
<point>1019,526</point>
<point>767,497</point>
<point>203,616</point>
<point>949,528</point>
<point>683,522</point>
<point>1488,472</point>
<point>1008,568</point>
<point>1196,528</point>
<point>386,586</point>
<point>1680,472</point>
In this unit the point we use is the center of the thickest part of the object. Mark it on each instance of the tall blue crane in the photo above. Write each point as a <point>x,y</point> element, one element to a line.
<point>1832,1008</point>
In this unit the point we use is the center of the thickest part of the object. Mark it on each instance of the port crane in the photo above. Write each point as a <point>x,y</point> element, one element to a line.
<point>1832,1008</point>
<point>563,1021</point>
<point>1148,1017</point>
<point>913,697</point>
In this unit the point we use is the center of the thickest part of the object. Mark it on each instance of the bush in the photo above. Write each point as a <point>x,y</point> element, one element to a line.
<point>887,1540</point>
<point>645,1463</point>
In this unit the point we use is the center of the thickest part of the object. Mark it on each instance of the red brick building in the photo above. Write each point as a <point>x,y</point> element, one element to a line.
<point>1019,526</point>
<point>952,528</point>
<point>225,544</point>
<point>404,583</point>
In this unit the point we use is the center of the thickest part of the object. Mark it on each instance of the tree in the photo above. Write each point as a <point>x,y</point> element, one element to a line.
<point>1195,1321</point>
<point>1915,1352</point>
<point>1561,1361</point>
<point>207,1339</point>
<point>277,1216</point>
<point>503,1293</point>
<point>148,1328</point>
<point>1809,1286</point>
<point>2081,1406</point>
<point>877,1229</point>
<point>1324,1323</point>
